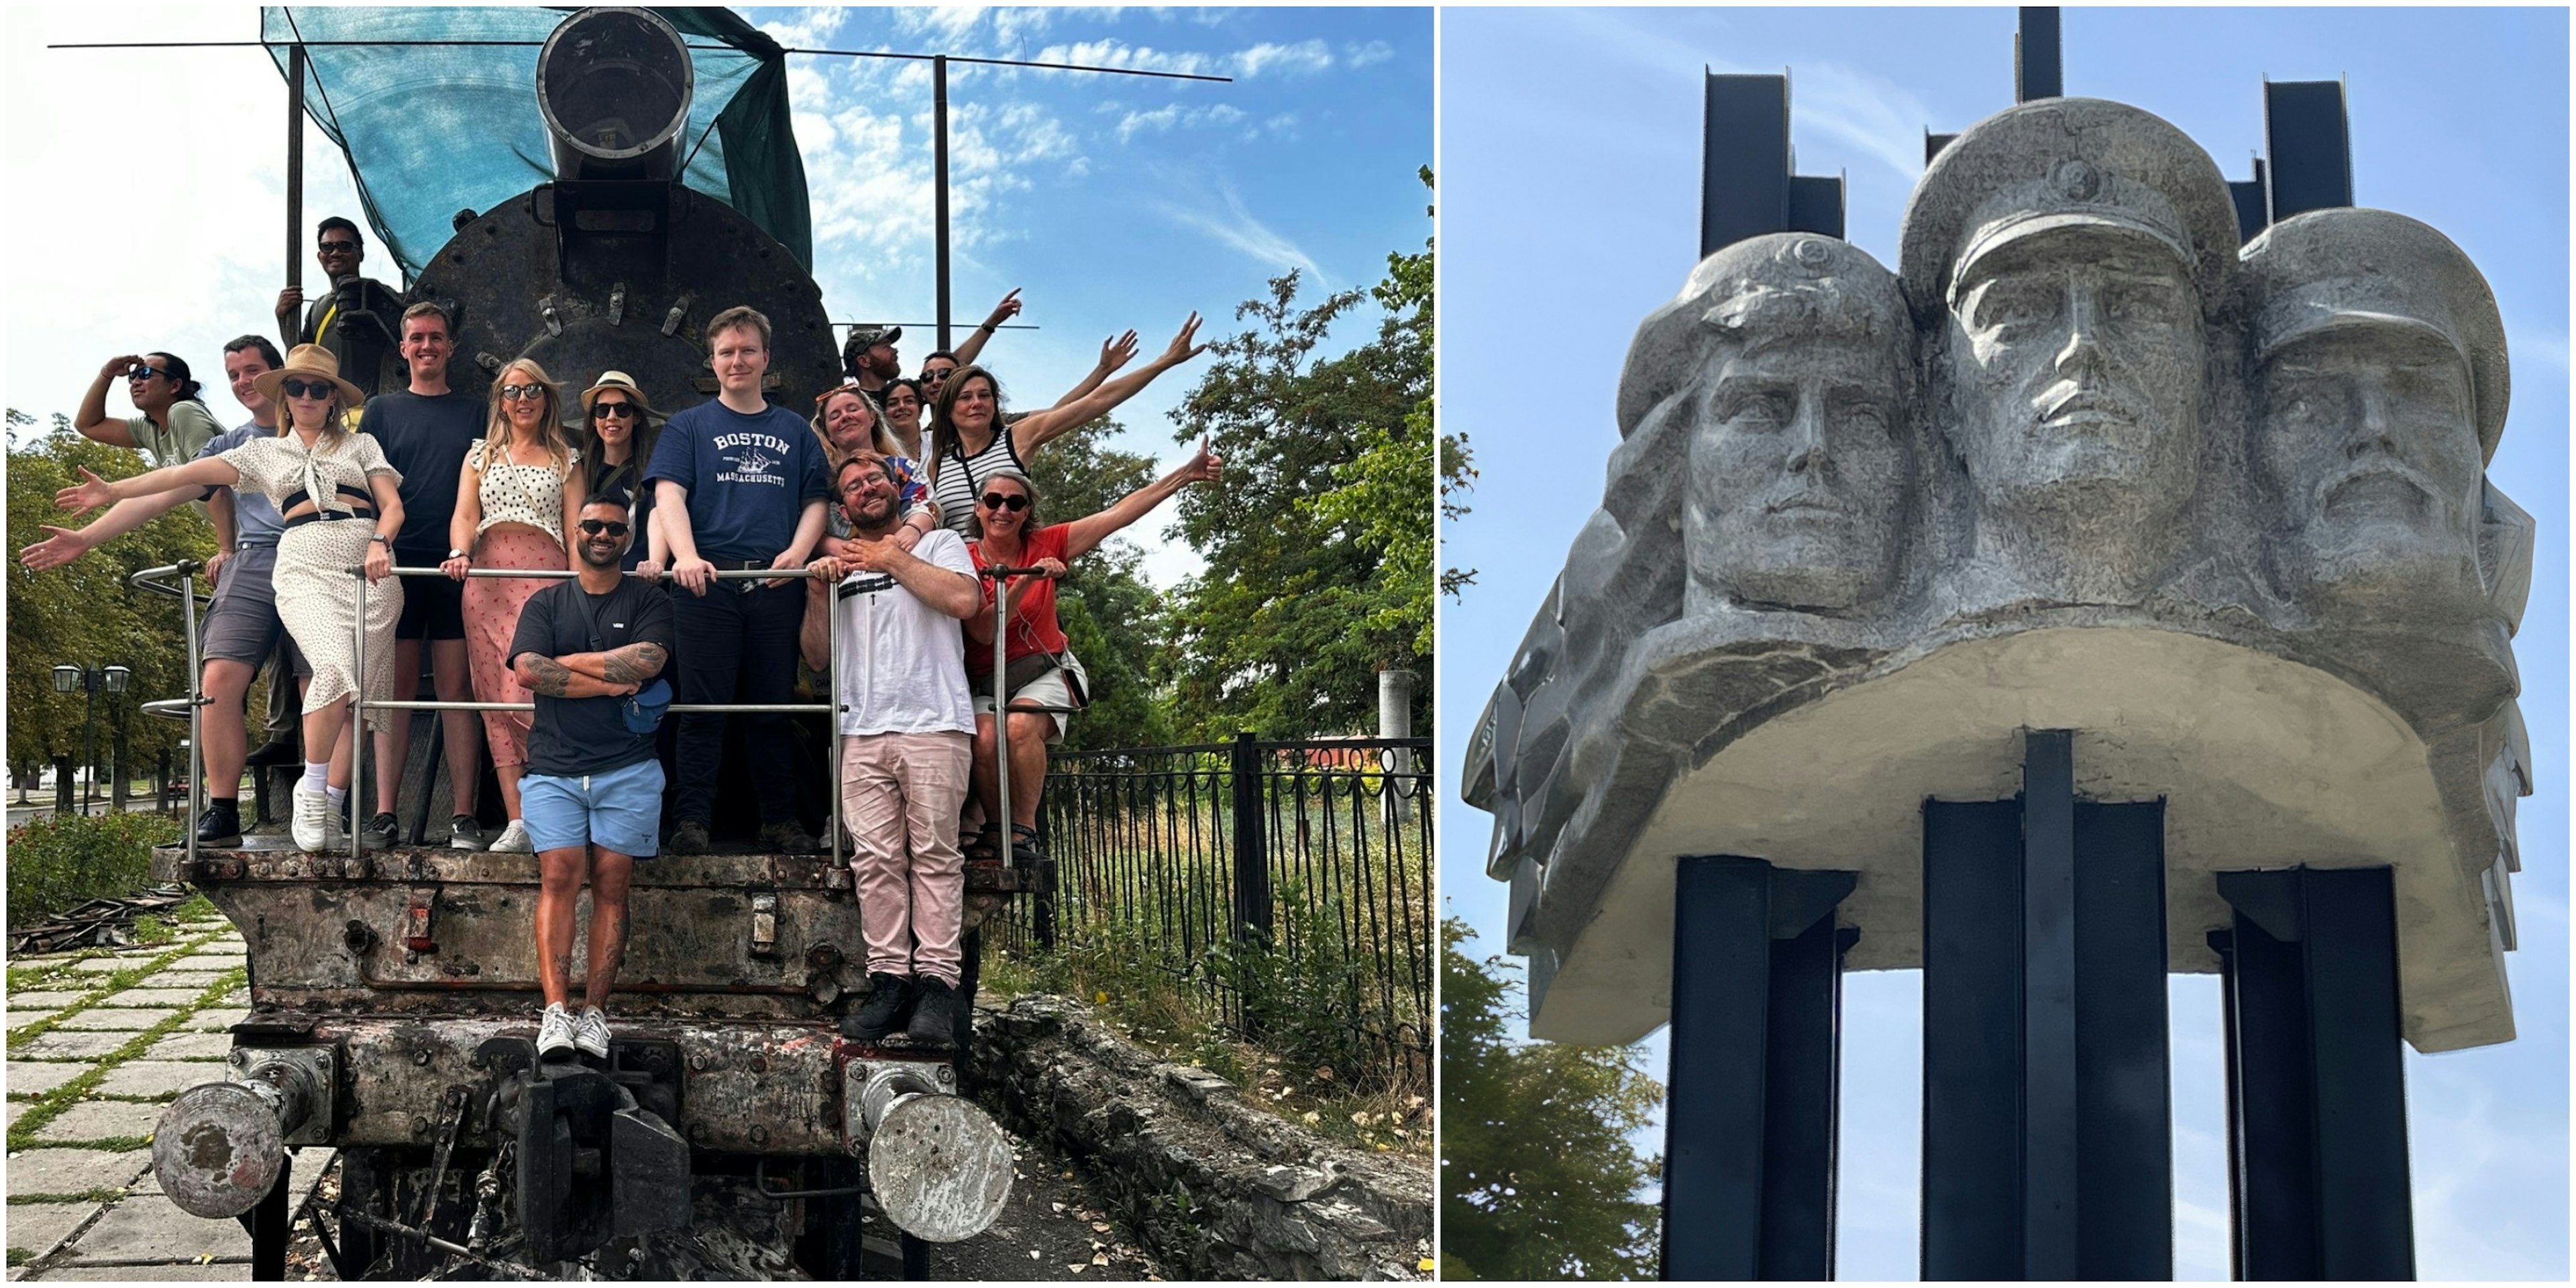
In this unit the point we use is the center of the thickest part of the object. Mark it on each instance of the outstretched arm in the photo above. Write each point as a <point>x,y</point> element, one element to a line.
<point>1002,312</point>
<point>1115,352</point>
<point>125,516</point>
<point>1085,534</point>
<point>189,480</point>
<point>1033,430</point>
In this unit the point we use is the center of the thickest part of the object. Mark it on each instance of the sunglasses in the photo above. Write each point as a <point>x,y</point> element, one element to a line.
<point>294,388</point>
<point>1011,501</point>
<point>594,527</point>
<point>339,248</point>
<point>617,409</point>
<point>523,392</point>
<point>146,373</point>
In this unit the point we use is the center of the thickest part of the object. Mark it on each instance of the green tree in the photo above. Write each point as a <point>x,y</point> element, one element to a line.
<point>1300,605</point>
<point>1111,615</point>
<point>1538,1177</point>
<point>87,614</point>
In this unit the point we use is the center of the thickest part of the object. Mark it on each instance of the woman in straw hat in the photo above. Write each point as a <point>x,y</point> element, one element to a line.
<point>517,498</point>
<point>338,498</point>
<point>618,431</point>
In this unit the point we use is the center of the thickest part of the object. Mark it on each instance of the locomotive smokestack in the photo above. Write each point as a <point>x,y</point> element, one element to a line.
<point>613,85</point>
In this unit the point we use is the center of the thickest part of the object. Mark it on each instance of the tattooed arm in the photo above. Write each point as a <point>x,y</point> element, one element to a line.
<point>631,665</point>
<point>549,676</point>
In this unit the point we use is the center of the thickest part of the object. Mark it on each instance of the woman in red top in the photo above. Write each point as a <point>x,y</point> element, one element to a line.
<point>1007,534</point>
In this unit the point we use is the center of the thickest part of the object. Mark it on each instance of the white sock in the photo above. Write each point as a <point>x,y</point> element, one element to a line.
<point>339,795</point>
<point>316,775</point>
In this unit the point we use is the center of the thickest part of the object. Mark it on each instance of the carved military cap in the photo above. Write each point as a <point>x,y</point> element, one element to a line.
<point>2350,267</point>
<point>2064,163</point>
<point>1784,284</point>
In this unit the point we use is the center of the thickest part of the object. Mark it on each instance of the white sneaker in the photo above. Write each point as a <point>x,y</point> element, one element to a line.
<point>554,1034</point>
<point>314,820</point>
<point>590,1032</point>
<point>512,840</point>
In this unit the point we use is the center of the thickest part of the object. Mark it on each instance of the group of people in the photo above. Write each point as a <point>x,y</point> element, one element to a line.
<point>892,526</point>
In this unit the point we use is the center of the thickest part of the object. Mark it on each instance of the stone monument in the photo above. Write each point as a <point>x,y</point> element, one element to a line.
<point>2097,595</point>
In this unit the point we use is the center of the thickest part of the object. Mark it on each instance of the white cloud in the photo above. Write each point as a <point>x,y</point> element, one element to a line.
<point>1170,116</point>
<point>1368,55</point>
<point>810,29</point>
<point>1118,53</point>
<point>1304,57</point>
<point>1235,227</point>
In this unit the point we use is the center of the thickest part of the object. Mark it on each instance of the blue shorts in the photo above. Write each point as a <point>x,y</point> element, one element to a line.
<point>619,810</point>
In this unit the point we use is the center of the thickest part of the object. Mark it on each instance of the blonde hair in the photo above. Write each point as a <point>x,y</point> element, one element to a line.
<point>880,438</point>
<point>498,431</point>
<point>335,422</point>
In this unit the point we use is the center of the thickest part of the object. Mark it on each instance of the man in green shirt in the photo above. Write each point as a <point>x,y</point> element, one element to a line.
<point>171,421</point>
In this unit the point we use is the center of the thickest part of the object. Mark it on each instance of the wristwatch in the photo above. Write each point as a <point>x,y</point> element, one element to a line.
<point>380,538</point>
<point>454,553</point>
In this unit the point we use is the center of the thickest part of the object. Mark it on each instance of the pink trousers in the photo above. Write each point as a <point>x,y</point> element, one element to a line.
<point>492,607</point>
<point>900,793</point>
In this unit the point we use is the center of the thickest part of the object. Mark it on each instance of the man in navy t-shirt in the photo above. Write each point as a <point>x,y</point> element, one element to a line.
<point>740,486</point>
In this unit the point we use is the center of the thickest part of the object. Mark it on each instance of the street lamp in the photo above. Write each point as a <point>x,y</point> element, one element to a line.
<point>88,681</point>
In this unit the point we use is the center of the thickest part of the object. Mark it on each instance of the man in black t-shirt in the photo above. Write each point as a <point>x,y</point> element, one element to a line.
<point>425,431</point>
<point>592,794</point>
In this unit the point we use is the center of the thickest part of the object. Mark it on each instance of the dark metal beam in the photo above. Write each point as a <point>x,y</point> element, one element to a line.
<point>2037,71</point>
<point>2123,1049</point>
<point>2310,142</point>
<point>2050,1197</point>
<point>1744,160</point>
<point>1972,1040</point>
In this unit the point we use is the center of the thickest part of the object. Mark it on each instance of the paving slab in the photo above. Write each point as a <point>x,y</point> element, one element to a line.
<point>218,1272</point>
<point>36,1227</point>
<point>15,1109</point>
<point>190,1046</point>
<point>73,1171</point>
<point>35,1079</point>
<point>21,1019</point>
<point>156,1079</point>
<point>101,1119</point>
<point>64,1045</point>
<point>216,964</point>
<point>217,1019</point>
<point>42,999</point>
<point>150,1228</point>
<point>131,1019</point>
<point>100,966</point>
<point>196,979</point>
<point>154,997</point>
<point>237,997</point>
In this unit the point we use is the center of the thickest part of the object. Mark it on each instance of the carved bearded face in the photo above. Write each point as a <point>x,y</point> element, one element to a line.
<point>2369,441</point>
<point>1798,474</point>
<point>2076,356</point>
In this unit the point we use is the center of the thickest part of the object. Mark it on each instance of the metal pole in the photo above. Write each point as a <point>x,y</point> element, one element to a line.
<point>1001,684</point>
<point>939,182</point>
<point>294,180</point>
<point>2050,1209</point>
<point>89,739</point>
<point>1395,720</point>
<point>197,724</point>
<point>358,731</point>
<point>832,723</point>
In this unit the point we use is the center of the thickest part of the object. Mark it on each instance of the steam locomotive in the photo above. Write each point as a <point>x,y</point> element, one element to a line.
<point>731,1131</point>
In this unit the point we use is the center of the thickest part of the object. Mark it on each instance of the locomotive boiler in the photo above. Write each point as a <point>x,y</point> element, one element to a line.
<point>731,1132</point>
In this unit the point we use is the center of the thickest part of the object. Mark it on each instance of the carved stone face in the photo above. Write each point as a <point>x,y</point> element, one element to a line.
<point>2076,359</point>
<point>1798,473</point>
<point>2369,441</point>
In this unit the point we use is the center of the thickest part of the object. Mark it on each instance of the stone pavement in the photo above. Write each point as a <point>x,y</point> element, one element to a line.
<point>98,1043</point>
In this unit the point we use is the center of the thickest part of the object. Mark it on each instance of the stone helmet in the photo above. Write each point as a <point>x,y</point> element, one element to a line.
<point>2066,162</point>
<point>2353,267</point>
<point>1794,283</point>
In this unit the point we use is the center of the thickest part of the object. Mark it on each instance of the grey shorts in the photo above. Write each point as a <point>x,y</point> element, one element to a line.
<point>242,624</point>
<point>1046,691</point>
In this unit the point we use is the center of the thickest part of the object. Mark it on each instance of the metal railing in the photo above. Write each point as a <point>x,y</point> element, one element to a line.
<point>1297,870</point>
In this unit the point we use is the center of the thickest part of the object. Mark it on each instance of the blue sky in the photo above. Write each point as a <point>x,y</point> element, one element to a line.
<point>1571,166</point>
<point>1113,201</point>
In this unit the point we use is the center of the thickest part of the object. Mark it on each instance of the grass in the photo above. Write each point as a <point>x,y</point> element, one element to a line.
<point>50,1105</point>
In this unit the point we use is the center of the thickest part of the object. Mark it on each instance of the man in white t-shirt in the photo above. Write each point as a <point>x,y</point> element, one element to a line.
<point>906,726</point>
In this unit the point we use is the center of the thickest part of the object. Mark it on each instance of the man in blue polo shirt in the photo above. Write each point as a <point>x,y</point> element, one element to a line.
<point>740,486</point>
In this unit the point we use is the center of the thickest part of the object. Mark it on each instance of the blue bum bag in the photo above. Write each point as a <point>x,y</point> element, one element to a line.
<point>643,708</point>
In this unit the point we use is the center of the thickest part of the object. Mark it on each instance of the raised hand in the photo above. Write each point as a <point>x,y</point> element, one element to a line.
<point>1204,467</point>
<point>1180,350</point>
<point>60,547</point>
<point>89,494</point>
<point>116,368</point>
<point>1006,310</point>
<point>1117,351</point>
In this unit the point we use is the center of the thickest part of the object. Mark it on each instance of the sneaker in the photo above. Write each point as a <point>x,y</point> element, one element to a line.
<point>513,840</point>
<point>889,1004</point>
<point>314,820</point>
<point>554,1035</point>
<point>463,833</point>
<point>939,1015</point>
<point>590,1032</point>
<point>284,750</point>
<point>690,837</point>
<point>220,824</point>
<point>384,831</point>
<point>788,838</point>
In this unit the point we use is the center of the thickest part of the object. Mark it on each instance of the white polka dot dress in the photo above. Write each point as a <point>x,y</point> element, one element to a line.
<point>317,591</point>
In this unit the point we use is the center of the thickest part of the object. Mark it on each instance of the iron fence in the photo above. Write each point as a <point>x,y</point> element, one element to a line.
<point>1283,885</point>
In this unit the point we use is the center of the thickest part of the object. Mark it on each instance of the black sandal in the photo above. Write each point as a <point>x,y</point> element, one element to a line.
<point>1026,850</point>
<point>986,847</point>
